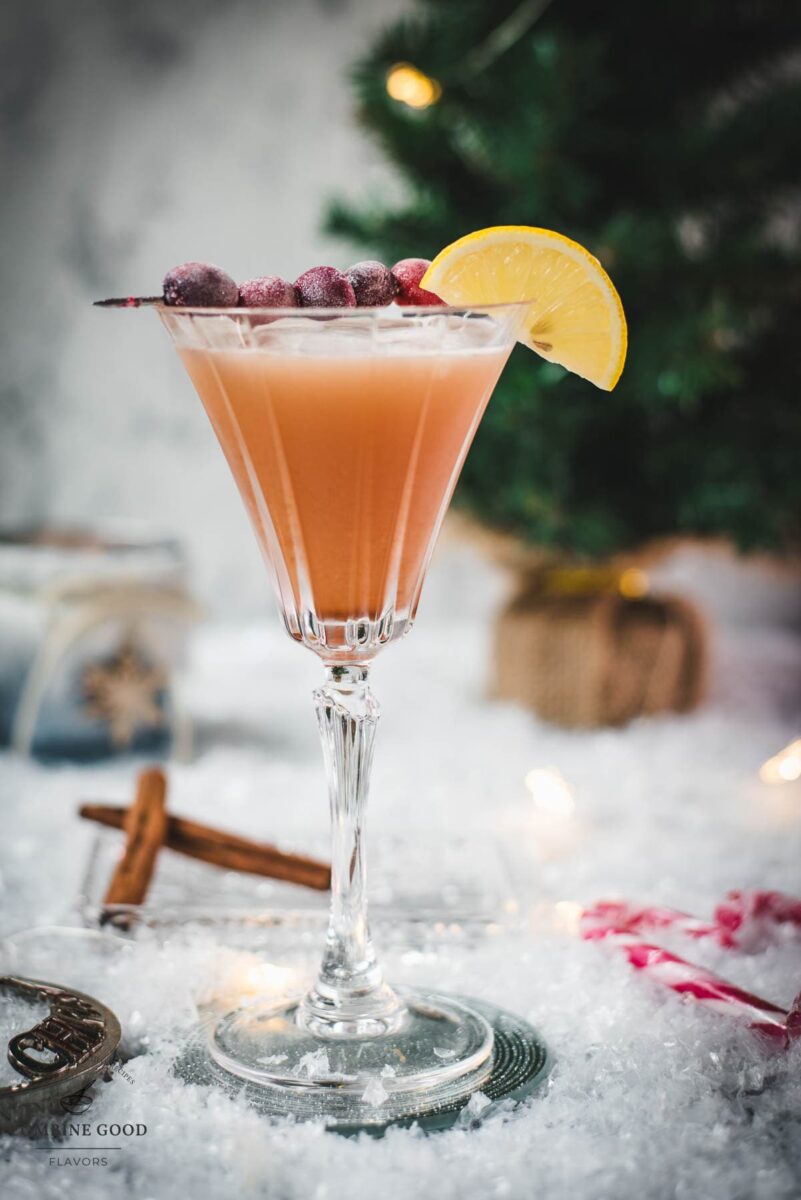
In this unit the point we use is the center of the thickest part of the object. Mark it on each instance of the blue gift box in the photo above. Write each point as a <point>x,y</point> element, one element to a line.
<point>93,633</point>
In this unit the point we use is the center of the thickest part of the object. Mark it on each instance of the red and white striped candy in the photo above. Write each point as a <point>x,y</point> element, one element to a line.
<point>691,980</point>
<point>619,915</point>
<point>743,920</point>
<point>747,915</point>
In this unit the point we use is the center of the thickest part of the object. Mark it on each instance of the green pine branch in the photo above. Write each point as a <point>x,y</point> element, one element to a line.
<point>665,138</point>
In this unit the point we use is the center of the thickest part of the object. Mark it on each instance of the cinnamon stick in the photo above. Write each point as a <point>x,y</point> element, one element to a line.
<point>223,849</point>
<point>145,824</point>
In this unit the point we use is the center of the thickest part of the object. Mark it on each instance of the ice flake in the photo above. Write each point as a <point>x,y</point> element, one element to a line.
<point>375,1093</point>
<point>313,1065</point>
<point>477,1103</point>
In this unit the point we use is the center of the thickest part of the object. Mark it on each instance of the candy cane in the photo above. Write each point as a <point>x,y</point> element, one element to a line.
<point>619,915</point>
<point>743,920</point>
<point>748,913</point>
<point>689,979</point>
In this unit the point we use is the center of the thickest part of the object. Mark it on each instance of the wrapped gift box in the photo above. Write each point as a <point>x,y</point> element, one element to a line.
<point>93,631</point>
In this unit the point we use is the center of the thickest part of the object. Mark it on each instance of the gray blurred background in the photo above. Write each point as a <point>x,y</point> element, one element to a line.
<point>134,136</point>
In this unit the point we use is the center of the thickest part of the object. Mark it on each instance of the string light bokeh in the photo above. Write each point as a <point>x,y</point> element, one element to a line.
<point>410,86</point>
<point>784,767</point>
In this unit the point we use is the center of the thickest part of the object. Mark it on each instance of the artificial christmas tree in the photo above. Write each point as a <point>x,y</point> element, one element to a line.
<point>665,139</point>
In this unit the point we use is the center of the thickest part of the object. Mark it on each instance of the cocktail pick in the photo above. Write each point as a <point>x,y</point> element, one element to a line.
<point>191,285</point>
<point>128,301</point>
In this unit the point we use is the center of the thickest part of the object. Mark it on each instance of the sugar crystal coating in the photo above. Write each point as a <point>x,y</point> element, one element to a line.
<point>325,287</point>
<point>408,273</point>
<point>373,283</point>
<point>268,291</point>
<point>199,285</point>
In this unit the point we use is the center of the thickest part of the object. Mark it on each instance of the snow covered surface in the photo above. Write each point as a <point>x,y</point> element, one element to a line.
<point>650,1097</point>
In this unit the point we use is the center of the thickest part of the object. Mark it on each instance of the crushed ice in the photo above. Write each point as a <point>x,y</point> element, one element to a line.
<point>671,811</point>
<point>388,335</point>
<point>375,1093</point>
<point>477,1103</point>
<point>313,1065</point>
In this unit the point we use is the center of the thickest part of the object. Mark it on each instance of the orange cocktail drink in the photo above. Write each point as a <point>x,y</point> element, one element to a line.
<point>346,458</point>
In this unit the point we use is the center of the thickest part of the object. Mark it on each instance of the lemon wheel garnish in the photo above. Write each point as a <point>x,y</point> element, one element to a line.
<point>576,318</point>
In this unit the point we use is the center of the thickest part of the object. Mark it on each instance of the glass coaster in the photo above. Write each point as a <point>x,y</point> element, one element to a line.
<point>518,1066</point>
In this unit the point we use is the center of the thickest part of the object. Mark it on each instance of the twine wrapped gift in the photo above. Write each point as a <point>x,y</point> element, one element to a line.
<point>92,632</point>
<point>586,647</point>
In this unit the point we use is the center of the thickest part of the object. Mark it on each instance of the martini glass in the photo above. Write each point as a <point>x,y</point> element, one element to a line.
<point>345,431</point>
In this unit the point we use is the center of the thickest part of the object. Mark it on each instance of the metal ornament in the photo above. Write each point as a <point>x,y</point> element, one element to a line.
<point>63,1054</point>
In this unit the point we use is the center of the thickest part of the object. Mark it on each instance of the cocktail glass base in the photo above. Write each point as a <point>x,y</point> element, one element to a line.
<point>446,1050</point>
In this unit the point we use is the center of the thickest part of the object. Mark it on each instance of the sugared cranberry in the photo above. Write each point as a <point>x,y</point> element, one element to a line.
<point>373,283</point>
<point>408,273</point>
<point>199,285</point>
<point>325,287</point>
<point>269,291</point>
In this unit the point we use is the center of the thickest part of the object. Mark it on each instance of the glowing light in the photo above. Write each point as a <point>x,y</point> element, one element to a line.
<point>411,86</point>
<point>562,917</point>
<point>633,583</point>
<point>784,767</point>
<point>245,979</point>
<point>256,979</point>
<point>550,792</point>
<point>790,767</point>
<point>567,916</point>
<point>268,977</point>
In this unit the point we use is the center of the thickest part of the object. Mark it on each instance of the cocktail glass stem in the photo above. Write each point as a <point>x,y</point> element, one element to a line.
<point>350,997</point>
